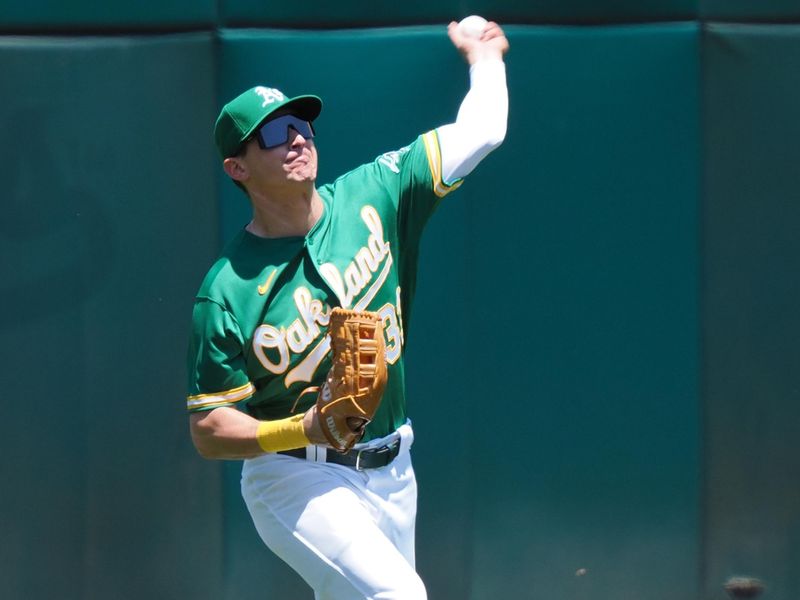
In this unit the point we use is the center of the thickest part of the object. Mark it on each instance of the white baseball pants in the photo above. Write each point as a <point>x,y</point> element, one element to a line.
<point>348,533</point>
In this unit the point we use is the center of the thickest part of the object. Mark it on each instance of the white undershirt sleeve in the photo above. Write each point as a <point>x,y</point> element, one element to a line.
<point>480,126</point>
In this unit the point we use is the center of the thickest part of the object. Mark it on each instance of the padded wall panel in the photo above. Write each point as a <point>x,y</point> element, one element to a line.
<point>584,331</point>
<point>353,13</point>
<point>57,15</point>
<point>558,286</point>
<point>751,319</point>
<point>108,221</point>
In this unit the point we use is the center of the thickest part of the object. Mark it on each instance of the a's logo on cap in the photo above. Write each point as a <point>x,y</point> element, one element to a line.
<point>269,95</point>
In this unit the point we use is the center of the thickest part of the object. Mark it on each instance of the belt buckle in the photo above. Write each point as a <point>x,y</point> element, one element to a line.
<point>358,466</point>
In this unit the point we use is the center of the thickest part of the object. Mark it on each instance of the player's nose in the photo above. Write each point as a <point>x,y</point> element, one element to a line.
<point>296,139</point>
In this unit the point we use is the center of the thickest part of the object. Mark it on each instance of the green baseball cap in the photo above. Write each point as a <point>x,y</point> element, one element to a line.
<point>240,117</point>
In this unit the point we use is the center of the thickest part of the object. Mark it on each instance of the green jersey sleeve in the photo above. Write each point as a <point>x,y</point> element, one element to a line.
<point>434,157</point>
<point>217,371</point>
<point>415,174</point>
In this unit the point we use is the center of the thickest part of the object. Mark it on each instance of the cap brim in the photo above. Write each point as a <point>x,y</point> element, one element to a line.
<point>306,107</point>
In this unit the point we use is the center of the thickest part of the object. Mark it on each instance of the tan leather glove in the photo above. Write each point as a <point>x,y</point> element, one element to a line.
<point>352,391</point>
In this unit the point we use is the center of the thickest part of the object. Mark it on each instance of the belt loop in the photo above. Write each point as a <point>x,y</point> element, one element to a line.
<point>316,453</point>
<point>406,437</point>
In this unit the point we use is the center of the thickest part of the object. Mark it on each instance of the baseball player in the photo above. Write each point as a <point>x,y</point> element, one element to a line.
<point>343,520</point>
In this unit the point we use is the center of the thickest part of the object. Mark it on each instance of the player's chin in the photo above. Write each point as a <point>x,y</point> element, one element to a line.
<point>303,172</point>
<point>303,179</point>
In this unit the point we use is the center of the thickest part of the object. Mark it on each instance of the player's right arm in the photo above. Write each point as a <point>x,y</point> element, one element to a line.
<point>481,123</point>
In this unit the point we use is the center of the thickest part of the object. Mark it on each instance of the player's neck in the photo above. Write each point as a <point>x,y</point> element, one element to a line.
<point>285,214</point>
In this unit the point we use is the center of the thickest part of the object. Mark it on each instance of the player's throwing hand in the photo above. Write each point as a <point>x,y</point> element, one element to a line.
<point>491,44</point>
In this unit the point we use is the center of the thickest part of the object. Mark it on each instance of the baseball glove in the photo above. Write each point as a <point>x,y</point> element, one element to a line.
<point>352,391</point>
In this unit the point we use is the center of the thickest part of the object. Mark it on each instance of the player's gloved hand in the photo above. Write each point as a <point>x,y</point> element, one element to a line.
<point>312,428</point>
<point>351,394</point>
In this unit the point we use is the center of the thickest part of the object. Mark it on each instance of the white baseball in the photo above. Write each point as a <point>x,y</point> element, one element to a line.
<point>472,26</point>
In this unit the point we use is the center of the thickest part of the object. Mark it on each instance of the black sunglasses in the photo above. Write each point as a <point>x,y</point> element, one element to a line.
<point>276,132</point>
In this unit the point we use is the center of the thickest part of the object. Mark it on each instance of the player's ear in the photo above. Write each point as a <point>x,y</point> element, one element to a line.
<point>235,168</point>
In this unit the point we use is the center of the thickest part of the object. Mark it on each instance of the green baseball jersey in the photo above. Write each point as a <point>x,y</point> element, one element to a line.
<point>259,335</point>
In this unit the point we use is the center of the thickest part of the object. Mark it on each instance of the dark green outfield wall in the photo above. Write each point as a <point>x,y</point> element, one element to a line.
<point>108,214</point>
<point>751,316</point>
<point>549,264</point>
<point>603,366</point>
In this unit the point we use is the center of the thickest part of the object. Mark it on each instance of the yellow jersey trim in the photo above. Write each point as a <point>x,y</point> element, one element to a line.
<point>226,398</point>
<point>440,188</point>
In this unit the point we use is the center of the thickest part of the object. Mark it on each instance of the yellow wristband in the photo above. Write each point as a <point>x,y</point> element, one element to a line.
<point>284,434</point>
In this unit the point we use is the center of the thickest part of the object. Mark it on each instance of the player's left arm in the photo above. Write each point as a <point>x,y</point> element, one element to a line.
<point>224,433</point>
<point>481,124</point>
<point>227,433</point>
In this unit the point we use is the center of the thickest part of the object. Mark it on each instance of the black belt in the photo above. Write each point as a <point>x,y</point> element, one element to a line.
<point>368,458</point>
